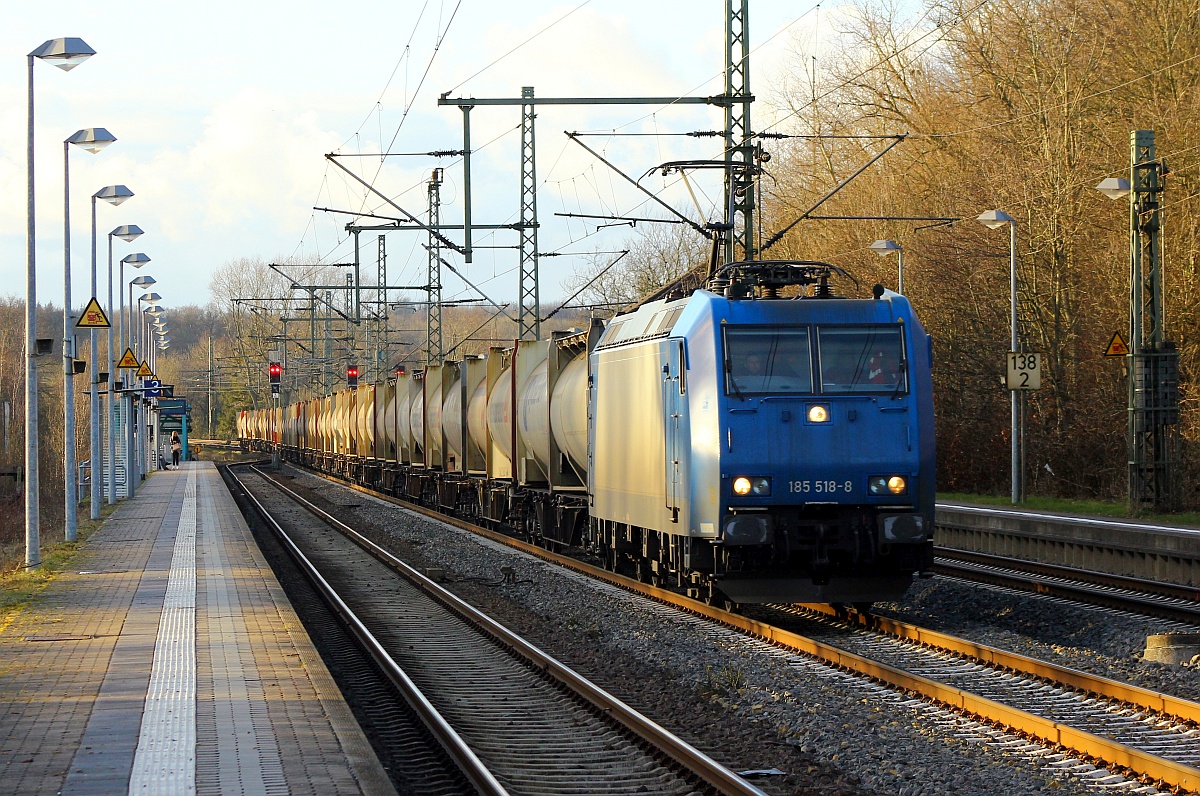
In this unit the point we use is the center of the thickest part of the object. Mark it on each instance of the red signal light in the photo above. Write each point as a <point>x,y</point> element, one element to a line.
<point>276,370</point>
<point>352,376</point>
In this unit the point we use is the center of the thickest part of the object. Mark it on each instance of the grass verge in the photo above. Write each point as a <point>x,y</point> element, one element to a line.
<point>19,586</point>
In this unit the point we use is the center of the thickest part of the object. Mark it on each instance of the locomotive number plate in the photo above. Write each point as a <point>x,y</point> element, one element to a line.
<point>820,487</point>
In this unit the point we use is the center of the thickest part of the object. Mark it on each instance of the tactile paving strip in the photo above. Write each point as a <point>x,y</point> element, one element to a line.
<point>165,762</point>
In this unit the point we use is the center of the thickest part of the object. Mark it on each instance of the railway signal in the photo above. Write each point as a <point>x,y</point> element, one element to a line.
<point>352,375</point>
<point>276,372</point>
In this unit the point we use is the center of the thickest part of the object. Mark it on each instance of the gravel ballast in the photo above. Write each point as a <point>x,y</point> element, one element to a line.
<point>753,706</point>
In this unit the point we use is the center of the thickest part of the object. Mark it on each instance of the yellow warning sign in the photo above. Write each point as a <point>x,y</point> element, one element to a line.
<point>128,360</point>
<point>144,371</point>
<point>1116,346</point>
<point>93,317</point>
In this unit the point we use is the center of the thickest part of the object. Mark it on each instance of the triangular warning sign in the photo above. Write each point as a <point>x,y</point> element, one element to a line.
<point>93,317</point>
<point>1116,346</point>
<point>144,371</point>
<point>128,360</point>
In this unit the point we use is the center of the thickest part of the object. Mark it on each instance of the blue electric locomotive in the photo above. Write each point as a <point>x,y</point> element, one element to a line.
<point>770,449</point>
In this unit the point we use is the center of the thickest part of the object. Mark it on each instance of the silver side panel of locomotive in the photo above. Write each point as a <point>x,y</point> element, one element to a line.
<point>639,402</point>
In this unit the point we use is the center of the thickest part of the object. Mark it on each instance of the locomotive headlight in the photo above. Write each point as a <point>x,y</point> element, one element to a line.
<point>887,485</point>
<point>818,413</point>
<point>756,485</point>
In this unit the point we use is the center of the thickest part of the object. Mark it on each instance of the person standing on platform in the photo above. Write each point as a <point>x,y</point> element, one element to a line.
<point>176,448</point>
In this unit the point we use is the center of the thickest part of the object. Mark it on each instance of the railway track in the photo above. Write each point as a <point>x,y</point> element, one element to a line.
<point>1147,735</point>
<point>1168,601</point>
<point>514,719</point>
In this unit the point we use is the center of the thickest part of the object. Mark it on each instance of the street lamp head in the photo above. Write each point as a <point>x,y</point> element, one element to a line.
<point>127,233</point>
<point>154,309</point>
<point>1114,187</point>
<point>113,194</point>
<point>92,139</point>
<point>885,247</point>
<point>150,297</point>
<point>142,281</point>
<point>994,219</point>
<point>66,53</point>
<point>136,260</point>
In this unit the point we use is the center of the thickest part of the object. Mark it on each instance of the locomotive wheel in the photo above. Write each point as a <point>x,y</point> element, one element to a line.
<point>644,572</point>
<point>609,555</point>
<point>717,599</point>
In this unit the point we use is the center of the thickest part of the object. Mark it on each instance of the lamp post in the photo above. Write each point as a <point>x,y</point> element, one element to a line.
<point>65,53</point>
<point>91,139</point>
<point>131,333</point>
<point>147,356</point>
<point>885,247</point>
<point>131,454</point>
<point>137,261</point>
<point>994,219</point>
<point>143,328</point>
<point>114,195</point>
<point>127,233</point>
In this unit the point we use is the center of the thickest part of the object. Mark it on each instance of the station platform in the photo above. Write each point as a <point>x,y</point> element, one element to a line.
<point>169,661</point>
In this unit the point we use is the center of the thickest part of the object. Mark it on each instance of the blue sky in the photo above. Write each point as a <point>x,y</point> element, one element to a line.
<point>224,111</point>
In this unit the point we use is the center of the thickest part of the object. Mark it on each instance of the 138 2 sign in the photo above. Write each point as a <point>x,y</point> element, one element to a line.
<point>1024,371</point>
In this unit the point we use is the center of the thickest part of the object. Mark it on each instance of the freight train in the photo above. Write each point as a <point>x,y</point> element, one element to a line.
<point>738,443</point>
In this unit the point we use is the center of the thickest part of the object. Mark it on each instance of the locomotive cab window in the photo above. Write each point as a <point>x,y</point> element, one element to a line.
<point>762,362</point>
<point>862,359</point>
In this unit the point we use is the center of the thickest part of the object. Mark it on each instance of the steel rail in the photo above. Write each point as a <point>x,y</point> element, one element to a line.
<point>473,769</point>
<point>1135,760</point>
<point>712,772</point>
<point>1061,675</point>
<point>1147,595</point>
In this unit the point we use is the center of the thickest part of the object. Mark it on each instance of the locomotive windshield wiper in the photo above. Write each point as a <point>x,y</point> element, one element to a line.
<point>732,381</point>
<point>901,377</point>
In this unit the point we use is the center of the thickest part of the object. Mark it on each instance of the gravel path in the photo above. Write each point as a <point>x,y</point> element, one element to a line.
<point>755,707</point>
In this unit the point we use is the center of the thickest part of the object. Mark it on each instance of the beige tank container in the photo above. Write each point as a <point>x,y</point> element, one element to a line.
<point>389,419</point>
<point>366,420</point>
<point>416,418</point>
<point>433,416</point>
<point>569,410</point>
<point>499,414</point>
<point>452,419</point>
<point>533,415</point>
<point>404,438</point>
<point>477,425</point>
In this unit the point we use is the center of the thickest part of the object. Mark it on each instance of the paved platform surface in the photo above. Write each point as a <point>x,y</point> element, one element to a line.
<point>168,660</point>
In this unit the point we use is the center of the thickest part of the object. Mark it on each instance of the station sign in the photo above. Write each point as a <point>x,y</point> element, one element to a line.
<point>1024,371</point>
<point>172,406</point>
<point>170,423</point>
